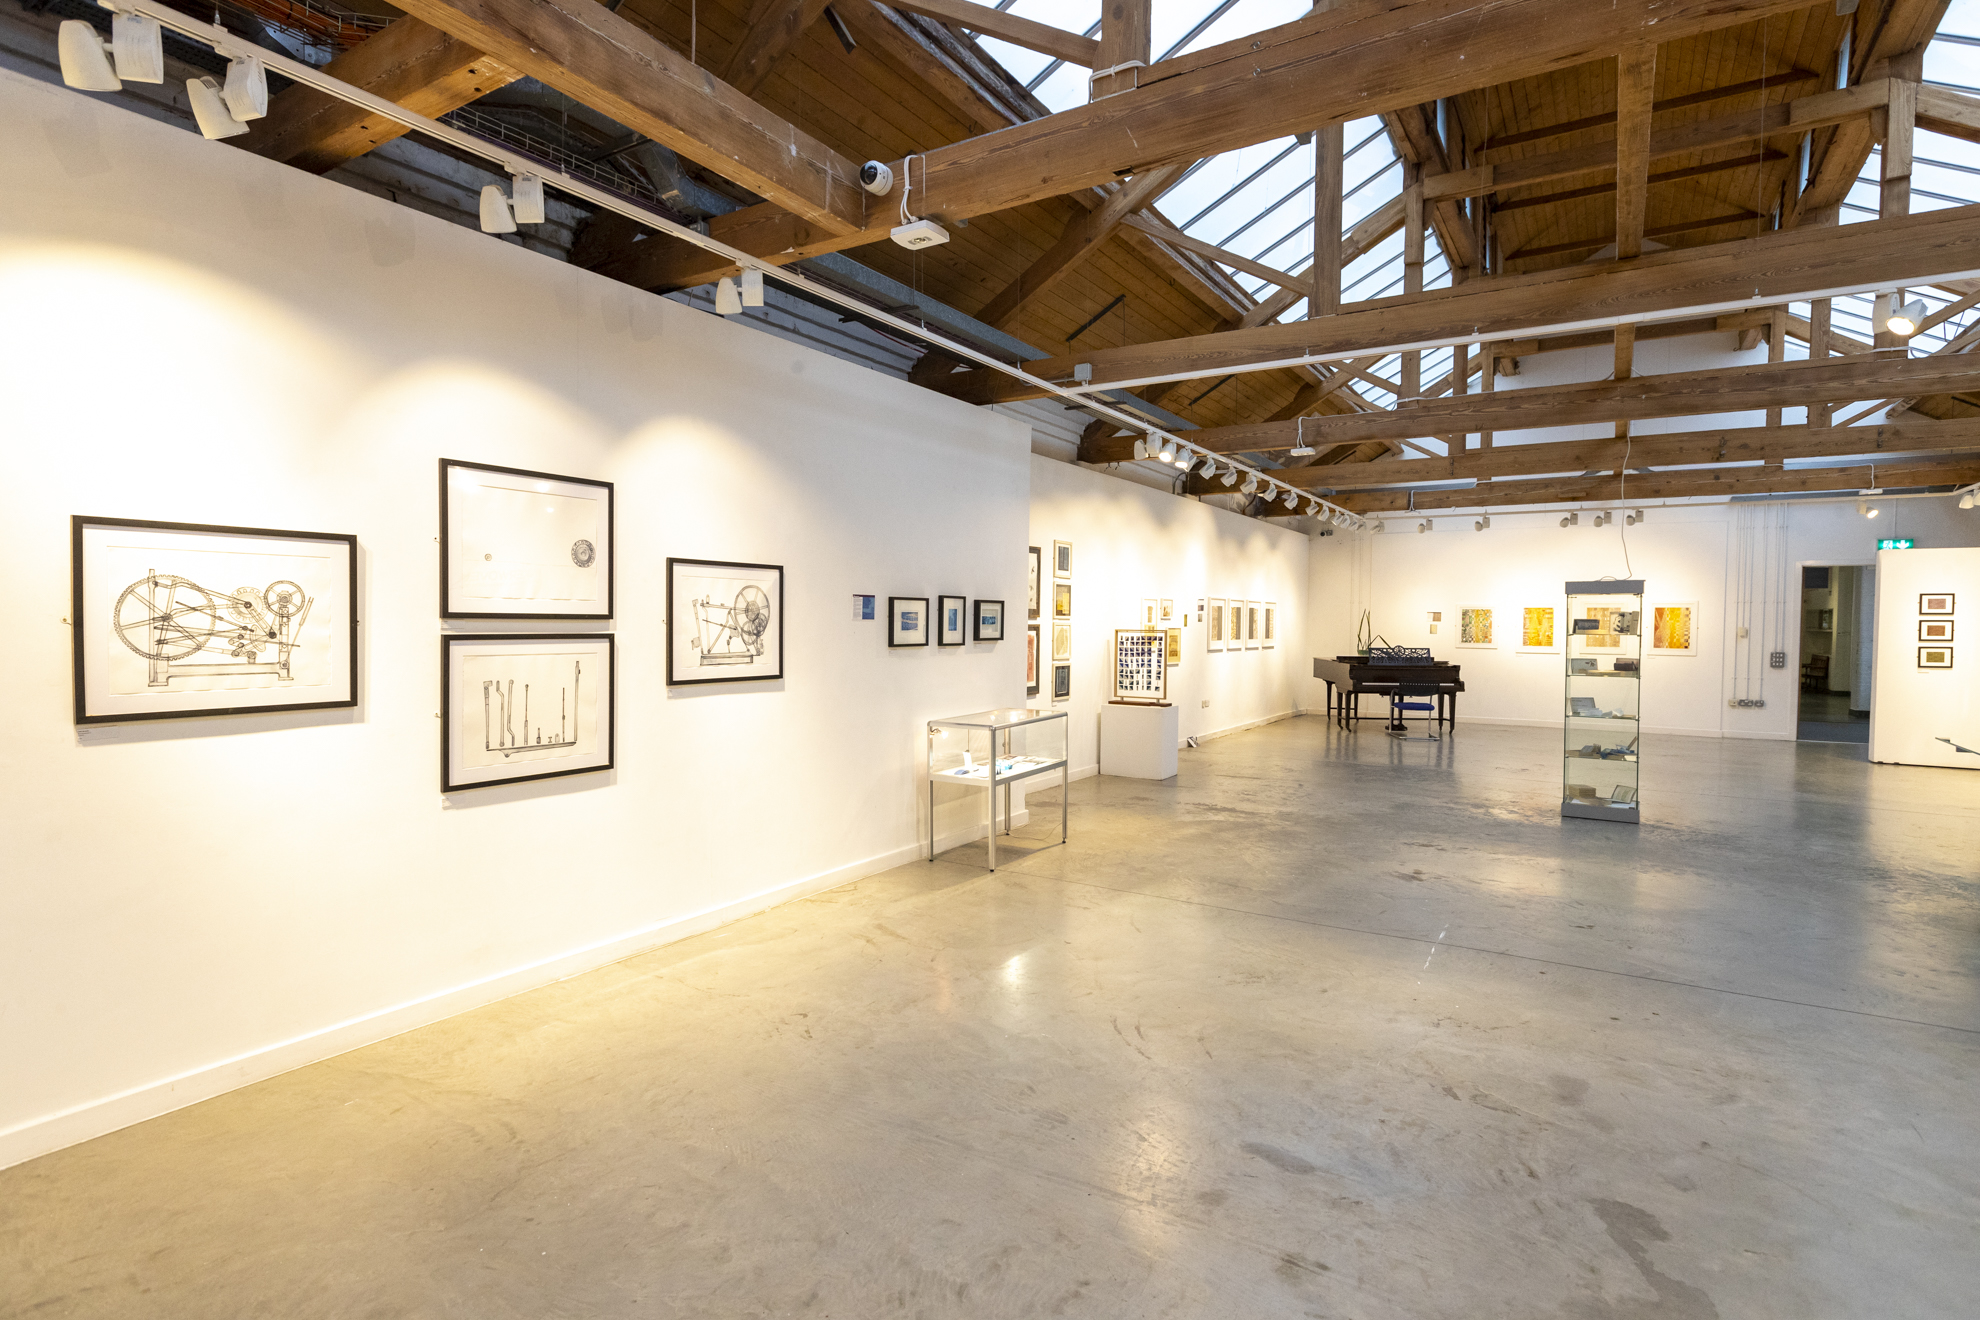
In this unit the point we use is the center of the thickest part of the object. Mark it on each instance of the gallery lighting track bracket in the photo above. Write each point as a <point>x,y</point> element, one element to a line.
<point>514,163</point>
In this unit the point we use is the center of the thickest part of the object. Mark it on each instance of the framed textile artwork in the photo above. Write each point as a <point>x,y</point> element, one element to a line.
<point>1935,602</point>
<point>1061,681</point>
<point>516,708</point>
<point>1062,559</point>
<point>1476,629</point>
<point>1252,609</point>
<point>1673,628</point>
<point>1031,659</point>
<point>1935,657</point>
<point>1141,670</point>
<point>989,621</point>
<point>1216,624</point>
<point>1536,630</point>
<point>1268,622</point>
<point>725,622</point>
<point>907,620</point>
<point>182,619</point>
<point>516,544</point>
<point>1935,630</point>
<point>1175,646</point>
<point>950,630</point>
<point>1062,600</point>
<point>1035,598</point>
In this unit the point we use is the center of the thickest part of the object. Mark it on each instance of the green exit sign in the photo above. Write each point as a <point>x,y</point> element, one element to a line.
<point>1895,543</point>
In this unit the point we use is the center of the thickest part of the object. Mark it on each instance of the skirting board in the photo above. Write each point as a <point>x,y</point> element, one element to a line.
<point>95,1118</point>
<point>1295,713</point>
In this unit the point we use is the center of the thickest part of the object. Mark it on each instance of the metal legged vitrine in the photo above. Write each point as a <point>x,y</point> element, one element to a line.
<point>994,749</point>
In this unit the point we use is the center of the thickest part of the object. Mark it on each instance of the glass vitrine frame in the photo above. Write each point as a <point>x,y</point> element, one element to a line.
<point>994,749</point>
<point>1602,709</point>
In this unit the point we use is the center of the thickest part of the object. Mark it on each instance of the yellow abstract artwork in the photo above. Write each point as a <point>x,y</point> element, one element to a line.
<point>1672,628</point>
<point>1538,627</point>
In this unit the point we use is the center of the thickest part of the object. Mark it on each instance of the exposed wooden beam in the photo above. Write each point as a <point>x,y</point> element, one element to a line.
<point>1190,243</point>
<point>1704,484</point>
<point>1788,266</point>
<point>1895,47</point>
<point>889,34</point>
<point>1125,34</point>
<point>1741,216</point>
<point>1764,156</point>
<point>410,63</point>
<point>618,69</point>
<point>1080,238</point>
<point>1773,82</point>
<point>774,27</point>
<point>1041,37</point>
<point>1636,85</point>
<point>1726,389</point>
<point>1329,147</point>
<point>1738,444</point>
<point>1952,113</point>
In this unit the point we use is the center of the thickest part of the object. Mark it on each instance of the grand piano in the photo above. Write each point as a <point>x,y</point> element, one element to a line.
<point>1382,672</point>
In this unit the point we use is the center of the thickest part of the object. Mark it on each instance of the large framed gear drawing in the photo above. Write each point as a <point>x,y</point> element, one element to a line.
<point>516,544</point>
<point>725,622</point>
<point>175,620</point>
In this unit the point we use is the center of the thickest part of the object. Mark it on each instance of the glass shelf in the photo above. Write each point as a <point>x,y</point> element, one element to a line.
<point>1603,709</point>
<point>992,749</point>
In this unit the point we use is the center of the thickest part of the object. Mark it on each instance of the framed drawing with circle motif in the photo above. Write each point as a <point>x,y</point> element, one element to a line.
<point>516,544</point>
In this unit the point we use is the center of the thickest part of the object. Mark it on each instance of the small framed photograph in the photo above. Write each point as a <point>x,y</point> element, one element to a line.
<point>515,708</point>
<point>1032,659</point>
<point>1935,657</point>
<point>1217,623</point>
<point>1168,617</point>
<point>950,629</point>
<point>173,620</point>
<point>1825,620</point>
<point>1062,559</point>
<point>989,621</point>
<point>907,620</point>
<point>1037,597</point>
<point>725,621</point>
<point>1935,602</point>
<point>1062,600</point>
<point>516,544</point>
<point>1062,641</point>
<point>1061,681</point>
<point>1935,630</point>
<point>1268,619</point>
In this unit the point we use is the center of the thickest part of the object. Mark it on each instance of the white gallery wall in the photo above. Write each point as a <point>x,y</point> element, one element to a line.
<point>1926,701</point>
<point>1131,543</point>
<point>194,334</point>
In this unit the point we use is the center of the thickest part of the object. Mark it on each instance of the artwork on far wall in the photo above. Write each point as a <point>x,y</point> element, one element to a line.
<point>515,708</point>
<point>1935,602</point>
<point>989,623</point>
<point>1062,559</point>
<point>725,621</point>
<point>1032,659</point>
<point>951,620</point>
<point>1141,670</point>
<point>1476,628</point>
<point>1148,609</point>
<point>1674,628</point>
<point>1251,612</point>
<point>182,619</point>
<point>1062,641</point>
<point>1035,600</point>
<point>1536,630</point>
<point>1215,623</point>
<point>1062,600</point>
<point>1268,623</point>
<point>1061,681</point>
<point>516,544</point>
<point>1935,657</point>
<point>1935,630</point>
<point>907,620</point>
<point>1175,647</point>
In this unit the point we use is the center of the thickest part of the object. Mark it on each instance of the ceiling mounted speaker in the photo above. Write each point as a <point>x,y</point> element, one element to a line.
<point>85,58</point>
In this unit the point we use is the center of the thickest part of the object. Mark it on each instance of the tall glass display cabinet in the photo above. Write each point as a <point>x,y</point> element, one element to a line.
<point>993,749</point>
<point>1604,632</point>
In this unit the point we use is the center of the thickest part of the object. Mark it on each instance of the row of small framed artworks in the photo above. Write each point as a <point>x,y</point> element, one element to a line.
<point>1061,582</point>
<point>909,623</point>
<point>1673,631</point>
<point>1935,625</point>
<point>1240,625</point>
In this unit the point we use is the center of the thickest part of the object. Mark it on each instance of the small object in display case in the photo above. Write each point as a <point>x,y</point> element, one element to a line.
<point>517,708</point>
<point>989,620</point>
<point>1605,619</point>
<point>949,627</point>
<point>725,622</point>
<point>1141,670</point>
<point>180,619</point>
<point>994,749</point>
<point>516,544</point>
<point>907,620</point>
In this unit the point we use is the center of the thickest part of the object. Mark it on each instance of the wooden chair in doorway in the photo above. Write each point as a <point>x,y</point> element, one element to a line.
<point>1815,674</point>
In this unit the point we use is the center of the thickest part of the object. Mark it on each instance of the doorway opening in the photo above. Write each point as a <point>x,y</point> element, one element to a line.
<point>1837,610</point>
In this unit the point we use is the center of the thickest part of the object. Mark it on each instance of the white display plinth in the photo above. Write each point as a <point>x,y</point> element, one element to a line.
<point>1139,742</point>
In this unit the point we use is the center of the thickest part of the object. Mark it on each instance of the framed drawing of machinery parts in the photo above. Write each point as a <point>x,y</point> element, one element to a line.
<point>516,544</point>
<point>725,621</point>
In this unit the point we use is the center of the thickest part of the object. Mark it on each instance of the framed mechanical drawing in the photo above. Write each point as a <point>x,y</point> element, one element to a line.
<point>1061,681</point>
<point>949,627</point>
<point>1032,659</point>
<point>1251,612</point>
<point>1536,630</point>
<point>1476,630</point>
<point>514,708</point>
<point>516,544</point>
<point>181,619</point>
<point>907,620</point>
<point>1062,600</point>
<point>1673,628</point>
<point>1217,624</point>
<point>725,621</point>
<point>1062,641</point>
<point>1037,579</point>
<point>1268,622</point>
<point>989,625</point>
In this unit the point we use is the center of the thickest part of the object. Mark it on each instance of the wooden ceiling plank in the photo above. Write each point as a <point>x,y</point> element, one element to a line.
<point>774,28</point>
<point>1787,78</point>
<point>1636,85</point>
<point>1041,37</point>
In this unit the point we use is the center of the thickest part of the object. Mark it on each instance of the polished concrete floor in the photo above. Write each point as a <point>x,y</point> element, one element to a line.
<point>1826,717</point>
<point>1326,1026</point>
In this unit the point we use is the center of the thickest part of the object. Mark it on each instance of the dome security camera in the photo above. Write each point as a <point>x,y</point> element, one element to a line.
<point>876,178</point>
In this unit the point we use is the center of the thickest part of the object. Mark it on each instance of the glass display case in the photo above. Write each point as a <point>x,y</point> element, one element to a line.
<point>994,749</point>
<point>1604,708</point>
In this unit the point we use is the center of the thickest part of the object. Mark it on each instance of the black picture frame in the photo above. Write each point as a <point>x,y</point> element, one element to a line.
<point>1035,658</point>
<point>727,671</point>
<point>978,631</point>
<point>79,632</point>
<point>1928,603</point>
<point>1037,602</point>
<point>894,620</point>
<point>447,604</point>
<point>1935,630</point>
<point>1062,680</point>
<point>610,722</point>
<point>1935,657</point>
<point>942,620</point>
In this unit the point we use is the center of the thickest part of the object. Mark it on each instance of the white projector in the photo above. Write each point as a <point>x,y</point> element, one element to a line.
<point>920,234</point>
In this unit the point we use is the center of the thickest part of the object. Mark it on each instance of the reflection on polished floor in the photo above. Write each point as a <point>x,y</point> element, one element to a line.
<point>1329,1025</point>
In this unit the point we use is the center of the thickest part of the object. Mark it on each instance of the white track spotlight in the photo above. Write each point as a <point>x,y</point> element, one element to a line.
<point>1184,459</point>
<point>1250,486</point>
<point>1167,453</point>
<point>246,93</point>
<point>526,199</point>
<point>1572,520</point>
<point>139,46</point>
<point>1966,501</point>
<point>210,112</point>
<point>1631,519</point>
<point>496,218</point>
<point>1209,468</point>
<point>1141,449</point>
<point>728,298</point>
<point>1867,509</point>
<point>85,58</point>
<point>1904,321</point>
<point>1482,523</point>
<point>1423,526</point>
<point>1230,476</point>
<point>752,288</point>
<point>1291,499</point>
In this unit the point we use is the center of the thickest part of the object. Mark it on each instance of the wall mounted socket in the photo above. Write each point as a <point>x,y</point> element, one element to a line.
<point>1753,703</point>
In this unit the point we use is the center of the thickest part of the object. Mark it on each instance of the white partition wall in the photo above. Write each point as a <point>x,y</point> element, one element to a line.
<point>192,333</point>
<point>1926,684</point>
